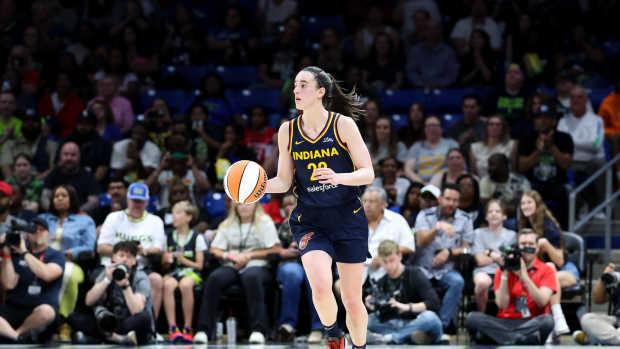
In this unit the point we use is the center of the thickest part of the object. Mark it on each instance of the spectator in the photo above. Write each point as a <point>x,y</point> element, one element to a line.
<point>368,125</point>
<point>81,48</point>
<point>114,199</point>
<point>259,136</point>
<point>244,255</point>
<point>413,15</point>
<point>278,61</point>
<point>272,13</point>
<point>74,235</point>
<point>496,140</point>
<point>70,171</point>
<point>136,157</point>
<point>429,197</point>
<point>95,151</point>
<point>10,126</point>
<point>442,233</point>
<point>427,157</point>
<point>455,167</point>
<point>563,86</point>
<point>479,19</point>
<point>128,299</point>
<point>413,304</point>
<point>523,317</point>
<point>487,249</point>
<point>522,39</point>
<point>532,107</point>
<point>229,42</point>
<point>106,128</point>
<point>384,143</point>
<point>184,42</point>
<point>232,150</point>
<point>544,158</point>
<point>503,184</point>
<point>414,130</point>
<point>432,64</point>
<point>412,205</point>
<point>158,119</point>
<point>479,64</point>
<point>116,65</point>
<point>610,113</point>
<point>135,224</point>
<point>221,109</point>
<point>108,90</point>
<point>31,275</point>
<point>472,127</point>
<point>332,55</point>
<point>6,219</point>
<point>37,146</point>
<point>183,262</point>
<point>61,106</point>
<point>370,28</point>
<point>394,186</point>
<point>179,191</point>
<point>470,199</point>
<point>383,224</point>
<point>534,214</point>
<point>382,69</point>
<point>207,137</point>
<point>141,57</point>
<point>25,177</point>
<point>509,102</point>
<point>588,134</point>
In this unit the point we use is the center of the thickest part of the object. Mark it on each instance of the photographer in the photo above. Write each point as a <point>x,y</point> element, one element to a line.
<point>31,274</point>
<point>602,328</point>
<point>405,304</point>
<point>523,289</point>
<point>121,302</point>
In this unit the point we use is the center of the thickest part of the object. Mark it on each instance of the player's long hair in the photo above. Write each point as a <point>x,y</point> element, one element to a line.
<point>335,99</point>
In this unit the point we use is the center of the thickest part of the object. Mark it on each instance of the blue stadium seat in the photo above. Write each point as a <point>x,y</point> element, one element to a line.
<point>313,25</point>
<point>178,100</point>
<point>399,101</point>
<point>193,75</point>
<point>247,99</point>
<point>448,120</point>
<point>215,204</point>
<point>274,120</point>
<point>597,95</point>
<point>237,76</point>
<point>399,120</point>
<point>446,101</point>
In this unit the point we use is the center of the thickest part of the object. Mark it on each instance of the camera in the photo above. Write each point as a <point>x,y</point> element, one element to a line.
<point>13,237</point>
<point>106,320</point>
<point>611,280</point>
<point>120,272</point>
<point>512,257</point>
<point>381,300</point>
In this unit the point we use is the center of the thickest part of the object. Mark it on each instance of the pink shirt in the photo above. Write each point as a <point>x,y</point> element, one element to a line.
<point>121,108</point>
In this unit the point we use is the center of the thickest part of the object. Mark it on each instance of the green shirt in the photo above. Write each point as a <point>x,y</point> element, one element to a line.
<point>17,128</point>
<point>32,190</point>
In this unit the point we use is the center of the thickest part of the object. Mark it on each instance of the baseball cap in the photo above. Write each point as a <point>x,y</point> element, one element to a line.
<point>40,221</point>
<point>5,188</point>
<point>431,189</point>
<point>138,191</point>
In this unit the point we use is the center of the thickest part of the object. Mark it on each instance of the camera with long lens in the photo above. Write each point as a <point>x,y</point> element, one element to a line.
<point>512,257</point>
<point>13,237</point>
<point>380,300</point>
<point>107,321</point>
<point>611,282</point>
<point>120,272</point>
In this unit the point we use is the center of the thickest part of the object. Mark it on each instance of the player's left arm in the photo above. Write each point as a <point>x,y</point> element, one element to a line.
<point>364,173</point>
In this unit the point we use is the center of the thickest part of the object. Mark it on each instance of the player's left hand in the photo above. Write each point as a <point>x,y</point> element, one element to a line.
<point>326,176</point>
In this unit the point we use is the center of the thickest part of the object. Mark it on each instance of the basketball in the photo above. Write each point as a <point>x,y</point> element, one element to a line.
<point>245,182</point>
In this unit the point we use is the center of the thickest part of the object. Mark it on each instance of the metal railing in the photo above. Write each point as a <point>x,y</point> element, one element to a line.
<point>573,226</point>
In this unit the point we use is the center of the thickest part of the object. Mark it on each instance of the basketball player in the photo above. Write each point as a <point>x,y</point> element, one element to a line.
<point>323,156</point>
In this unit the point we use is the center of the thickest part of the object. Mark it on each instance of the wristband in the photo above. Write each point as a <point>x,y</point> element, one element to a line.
<point>437,225</point>
<point>231,256</point>
<point>106,280</point>
<point>504,277</point>
<point>6,256</point>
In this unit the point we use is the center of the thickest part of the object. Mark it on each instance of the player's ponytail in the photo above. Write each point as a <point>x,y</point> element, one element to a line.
<point>335,99</point>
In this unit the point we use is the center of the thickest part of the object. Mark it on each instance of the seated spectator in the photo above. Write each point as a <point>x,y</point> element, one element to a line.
<point>136,224</point>
<point>533,105</point>
<point>588,134</point>
<point>116,65</point>
<point>412,204</point>
<point>40,148</point>
<point>496,140</point>
<point>279,58</point>
<point>429,197</point>
<point>544,158</point>
<point>128,299</point>
<point>121,107</point>
<point>368,124</point>
<point>10,126</point>
<point>229,42</point>
<point>272,13</point>
<point>95,150</point>
<point>259,135</point>
<point>384,143</point>
<point>413,15</point>
<point>31,276</point>
<point>369,28</point>
<point>479,63</point>
<point>136,157</point>
<point>383,66</point>
<point>414,130</point>
<point>463,30</point>
<point>114,199</point>
<point>69,170</point>
<point>487,250</point>
<point>183,42</point>
<point>411,314</point>
<point>472,128</point>
<point>6,200</point>
<point>157,119</point>
<point>522,297</point>
<point>243,242</point>
<point>503,184</point>
<point>609,111</point>
<point>432,64</point>
<point>332,56</point>
<point>564,84</point>
<point>179,191</point>
<point>61,106</point>
<point>183,264</point>
<point>509,102</point>
<point>232,150</point>
<point>455,167</point>
<point>534,214</point>
<point>470,199</point>
<point>106,127</point>
<point>522,38</point>
<point>394,186</point>
<point>442,233</point>
<point>207,137</point>
<point>290,276</point>
<point>427,157</point>
<point>221,109</point>
<point>24,176</point>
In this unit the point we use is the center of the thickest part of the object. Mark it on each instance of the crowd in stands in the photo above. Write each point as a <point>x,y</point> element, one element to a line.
<point>119,119</point>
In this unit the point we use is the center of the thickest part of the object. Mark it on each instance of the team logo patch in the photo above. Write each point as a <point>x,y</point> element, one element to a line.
<point>303,243</point>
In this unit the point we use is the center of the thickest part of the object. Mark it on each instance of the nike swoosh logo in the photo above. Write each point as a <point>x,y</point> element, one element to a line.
<point>299,218</point>
<point>356,211</point>
<point>297,143</point>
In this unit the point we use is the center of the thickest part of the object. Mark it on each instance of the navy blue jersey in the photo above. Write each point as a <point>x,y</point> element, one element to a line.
<point>326,151</point>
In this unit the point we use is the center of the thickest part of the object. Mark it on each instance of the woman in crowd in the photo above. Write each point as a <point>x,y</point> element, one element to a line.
<point>411,207</point>
<point>106,127</point>
<point>384,143</point>
<point>496,140</point>
<point>470,198</point>
<point>479,63</point>
<point>456,166</point>
<point>414,130</point>
<point>367,124</point>
<point>25,176</point>
<point>395,187</point>
<point>383,68</point>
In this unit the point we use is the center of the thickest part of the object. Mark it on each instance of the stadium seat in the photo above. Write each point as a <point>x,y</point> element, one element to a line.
<point>193,75</point>
<point>448,120</point>
<point>446,101</point>
<point>597,95</point>
<point>215,204</point>
<point>247,99</point>
<point>575,252</point>
<point>399,101</point>
<point>399,121</point>
<point>312,26</point>
<point>236,76</point>
<point>178,100</point>
<point>274,120</point>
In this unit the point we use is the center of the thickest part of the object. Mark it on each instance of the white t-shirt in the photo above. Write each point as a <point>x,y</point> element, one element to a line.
<point>149,155</point>
<point>392,226</point>
<point>164,179</point>
<point>149,230</point>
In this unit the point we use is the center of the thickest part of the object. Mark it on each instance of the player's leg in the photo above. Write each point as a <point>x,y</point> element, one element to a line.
<point>317,265</point>
<point>351,279</point>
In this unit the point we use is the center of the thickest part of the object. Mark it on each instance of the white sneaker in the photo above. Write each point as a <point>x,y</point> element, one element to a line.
<point>561,327</point>
<point>201,338</point>
<point>159,338</point>
<point>315,337</point>
<point>255,338</point>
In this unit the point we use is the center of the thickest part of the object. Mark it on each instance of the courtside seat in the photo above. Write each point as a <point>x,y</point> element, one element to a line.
<point>575,252</point>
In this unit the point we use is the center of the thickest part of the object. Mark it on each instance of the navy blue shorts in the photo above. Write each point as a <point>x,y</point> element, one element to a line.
<point>341,231</point>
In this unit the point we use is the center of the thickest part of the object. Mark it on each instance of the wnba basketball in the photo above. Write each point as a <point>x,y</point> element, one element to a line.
<point>245,182</point>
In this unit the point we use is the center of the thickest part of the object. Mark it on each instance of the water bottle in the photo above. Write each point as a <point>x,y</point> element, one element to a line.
<point>231,329</point>
<point>219,333</point>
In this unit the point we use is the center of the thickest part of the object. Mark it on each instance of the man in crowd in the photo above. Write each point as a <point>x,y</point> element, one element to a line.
<point>115,199</point>
<point>472,127</point>
<point>503,184</point>
<point>135,157</point>
<point>510,101</point>
<point>10,126</point>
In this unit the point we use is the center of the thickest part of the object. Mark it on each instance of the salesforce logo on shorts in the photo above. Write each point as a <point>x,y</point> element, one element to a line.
<point>322,187</point>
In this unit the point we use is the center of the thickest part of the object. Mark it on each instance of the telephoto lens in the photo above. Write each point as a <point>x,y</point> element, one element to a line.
<point>106,320</point>
<point>119,272</point>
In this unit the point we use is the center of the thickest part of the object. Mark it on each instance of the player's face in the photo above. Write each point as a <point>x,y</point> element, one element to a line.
<point>307,93</point>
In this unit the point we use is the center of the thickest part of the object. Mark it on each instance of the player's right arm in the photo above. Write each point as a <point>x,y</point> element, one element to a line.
<point>284,177</point>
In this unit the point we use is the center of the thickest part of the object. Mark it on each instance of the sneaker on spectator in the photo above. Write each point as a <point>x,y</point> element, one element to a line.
<point>64,333</point>
<point>256,338</point>
<point>445,339</point>
<point>421,338</point>
<point>377,338</point>
<point>580,337</point>
<point>159,338</point>
<point>129,339</point>
<point>286,333</point>
<point>315,337</point>
<point>201,338</point>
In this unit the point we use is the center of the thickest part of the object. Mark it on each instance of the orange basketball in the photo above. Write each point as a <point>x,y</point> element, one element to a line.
<point>245,182</point>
